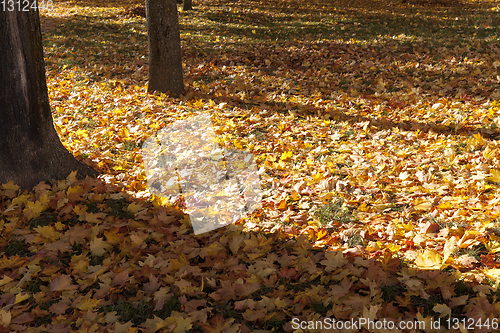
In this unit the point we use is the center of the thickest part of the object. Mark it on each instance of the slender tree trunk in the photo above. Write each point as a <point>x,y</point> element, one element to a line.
<point>165,63</point>
<point>188,5</point>
<point>30,149</point>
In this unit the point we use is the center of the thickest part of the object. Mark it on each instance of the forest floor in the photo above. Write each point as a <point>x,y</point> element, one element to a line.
<point>374,126</point>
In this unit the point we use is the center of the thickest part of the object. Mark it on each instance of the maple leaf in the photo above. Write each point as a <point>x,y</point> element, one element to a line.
<point>98,246</point>
<point>120,278</point>
<point>59,307</point>
<point>333,261</point>
<point>155,324</point>
<point>5,318</point>
<point>429,259</point>
<point>219,324</point>
<point>62,282</point>
<point>178,322</point>
<point>88,304</point>
<point>442,309</point>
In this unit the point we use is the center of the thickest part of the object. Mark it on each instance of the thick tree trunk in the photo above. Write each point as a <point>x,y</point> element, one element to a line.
<point>30,149</point>
<point>165,63</point>
<point>188,5</point>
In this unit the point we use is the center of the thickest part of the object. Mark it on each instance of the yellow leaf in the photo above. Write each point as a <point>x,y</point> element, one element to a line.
<point>136,240</point>
<point>123,132</point>
<point>479,139</point>
<point>443,309</point>
<point>380,207</point>
<point>153,325</point>
<point>426,205</point>
<point>237,144</point>
<point>445,205</point>
<point>280,303</point>
<point>363,207</point>
<point>282,205</point>
<point>380,168</point>
<point>10,186</point>
<point>33,209</point>
<point>333,261</point>
<point>98,246</point>
<point>449,248</point>
<point>5,280</point>
<point>134,208</point>
<point>47,231</point>
<point>20,298</point>
<point>286,155</point>
<point>294,195</point>
<point>81,132</point>
<point>113,236</point>
<point>5,318</point>
<point>235,243</point>
<point>488,153</point>
<point>181,324</point>
<point>317,177</point>
<point>20,200</point>
<point>493,274</point>
<point>429,259</point>
<point>88,304</point>
<point>495,176</point>
<point>393,247</point>
<point>73,189</point>
<point>493,246</point>
<point>94,217</point>
<point>80,210</point>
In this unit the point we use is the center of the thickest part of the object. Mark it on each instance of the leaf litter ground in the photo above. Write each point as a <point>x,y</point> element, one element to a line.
<point>374,125</point>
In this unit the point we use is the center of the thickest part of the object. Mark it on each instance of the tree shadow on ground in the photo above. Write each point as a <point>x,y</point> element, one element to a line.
<point>142,260</point>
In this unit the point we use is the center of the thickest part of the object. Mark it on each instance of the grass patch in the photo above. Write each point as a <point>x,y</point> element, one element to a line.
<point>139,312</point>
<point>44,219</point>
<point>335,211</point>
<point>118,208</point>
<point>18,248</point>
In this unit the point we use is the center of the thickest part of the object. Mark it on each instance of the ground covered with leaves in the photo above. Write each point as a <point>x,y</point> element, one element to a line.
<point>374,125</point>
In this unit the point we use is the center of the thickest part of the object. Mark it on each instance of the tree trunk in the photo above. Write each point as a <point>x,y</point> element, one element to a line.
<point>30,149</point>
<point>165,63</point>
<point>188,5</point>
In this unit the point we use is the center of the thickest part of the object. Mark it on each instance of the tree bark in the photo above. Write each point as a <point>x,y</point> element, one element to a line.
<point>165,63</point>
<point>30,149</point>
<point>188,5</point>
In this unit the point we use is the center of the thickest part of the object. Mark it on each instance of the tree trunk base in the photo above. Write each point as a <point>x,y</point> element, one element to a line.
<point>30,149</point>
<point>47,164</point>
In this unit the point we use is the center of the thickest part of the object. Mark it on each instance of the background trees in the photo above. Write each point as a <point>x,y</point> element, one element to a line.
<point>187,4</point>
<point>165,63</point>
